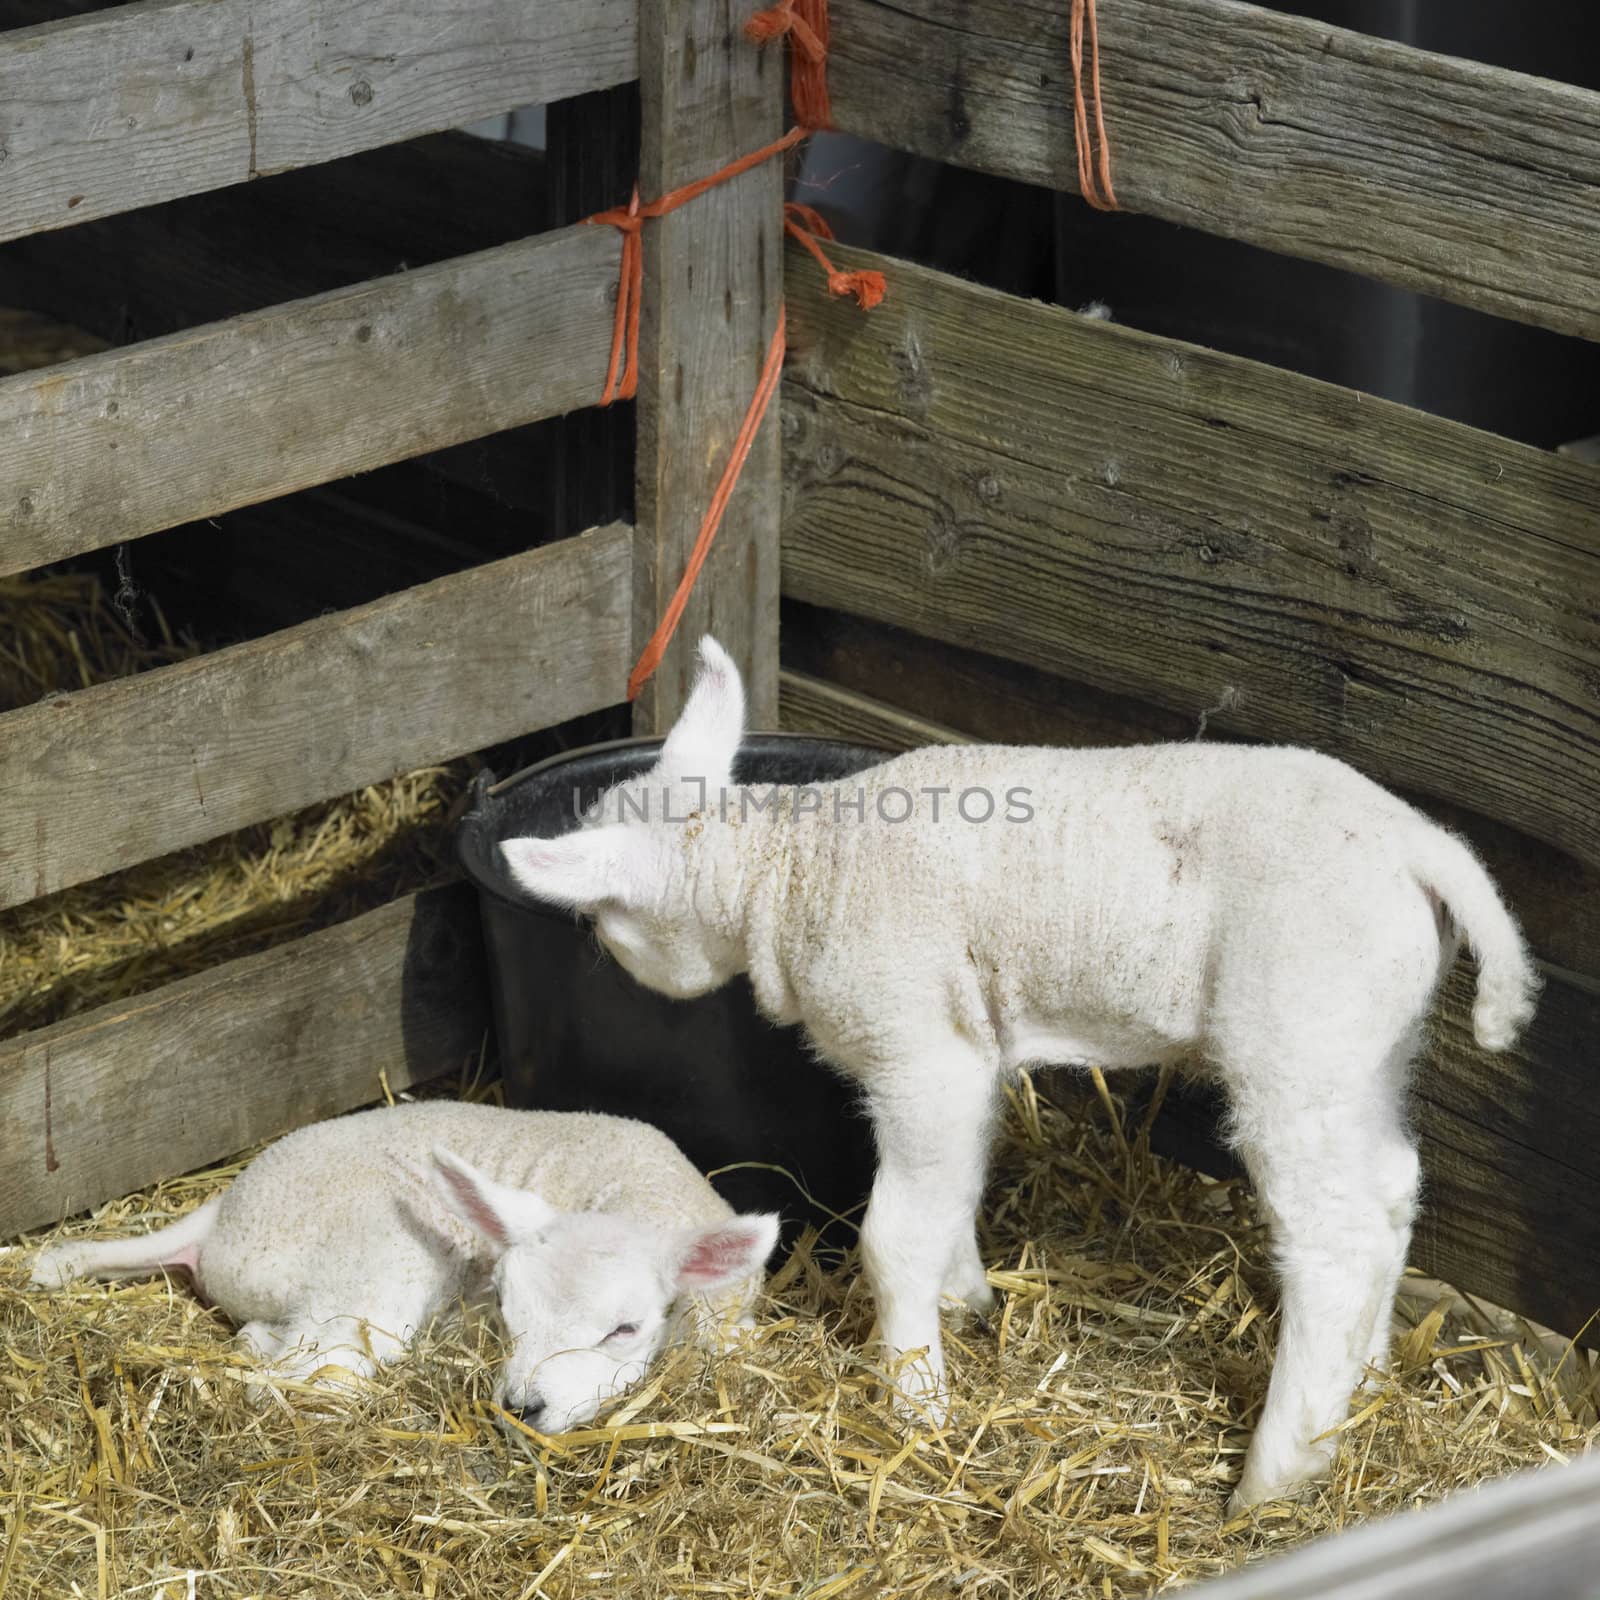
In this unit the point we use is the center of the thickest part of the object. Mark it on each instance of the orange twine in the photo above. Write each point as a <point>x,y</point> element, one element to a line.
<point>806,23</point>
<point>629,220</point>
<point>1094,167</point>
<point>651,656</point>
<point>806,226</point>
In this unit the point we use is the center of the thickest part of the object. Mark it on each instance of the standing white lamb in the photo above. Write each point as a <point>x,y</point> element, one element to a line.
<point>594,1236</point>
<point>959,912</point>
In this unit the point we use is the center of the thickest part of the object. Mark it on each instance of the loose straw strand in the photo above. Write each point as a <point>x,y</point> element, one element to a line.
<point>1094,163</point>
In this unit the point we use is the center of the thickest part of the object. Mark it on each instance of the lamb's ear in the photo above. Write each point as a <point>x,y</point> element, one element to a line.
<point>705,738</point>
<point>725,1253</point>
<point>586,869</point>
<point>501,1214</point>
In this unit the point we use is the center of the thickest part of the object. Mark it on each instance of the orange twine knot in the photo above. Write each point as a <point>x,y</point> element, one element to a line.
<point>806,23</point>
<point>806,225</point>
<point>1094,167</point>
<point>629,220</point>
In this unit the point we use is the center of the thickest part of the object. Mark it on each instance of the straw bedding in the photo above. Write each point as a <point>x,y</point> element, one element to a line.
<point>1101,1416</point>
<point>159,921</point>
<point>1101,1419</point>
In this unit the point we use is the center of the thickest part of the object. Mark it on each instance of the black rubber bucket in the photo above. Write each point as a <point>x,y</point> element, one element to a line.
<point>576,1033</point>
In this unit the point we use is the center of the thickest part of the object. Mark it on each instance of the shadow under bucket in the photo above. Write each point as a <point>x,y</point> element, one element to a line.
<point>576,1033</point>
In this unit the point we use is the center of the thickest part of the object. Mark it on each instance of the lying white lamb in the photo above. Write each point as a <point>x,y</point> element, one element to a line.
<point>594,1236</point>
<point>959,912</point>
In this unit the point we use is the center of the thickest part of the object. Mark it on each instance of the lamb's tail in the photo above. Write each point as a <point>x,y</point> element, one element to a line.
<point>1508,983</point>
<point>165,1249</point>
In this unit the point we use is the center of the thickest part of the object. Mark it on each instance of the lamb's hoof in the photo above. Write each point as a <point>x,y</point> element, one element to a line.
<point>926,1411</point>
<point>1257,1489</point>
<point>921,1397</point>
<point>1240,1505</point>
<point>978,1301</point>
<point>970,1293</point>
<point>54,1267</point>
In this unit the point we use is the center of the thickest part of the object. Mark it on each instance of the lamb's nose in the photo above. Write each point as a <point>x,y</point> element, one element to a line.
<point>532,1412</point>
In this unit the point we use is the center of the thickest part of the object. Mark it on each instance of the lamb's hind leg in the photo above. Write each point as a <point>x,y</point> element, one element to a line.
<point>173,1248</point>
<point>1399,1181</point>
<point>1337,1177</point>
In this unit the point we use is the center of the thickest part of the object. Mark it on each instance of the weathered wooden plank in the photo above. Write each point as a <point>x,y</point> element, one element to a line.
<point>712,292</point>
<point>1004,702</point>
<point>1172,523</point>
<point>885,670</point>
<point>111,775</point>
<point>271,565</point>
<point>104,1103</point>
<point>165,269</point>
<point>1443,175</point>
<point>121,444</point>
<point>1511,1195</point>
<point>813,705</point>
<point>1535,1535</point>
<point>141,103</point>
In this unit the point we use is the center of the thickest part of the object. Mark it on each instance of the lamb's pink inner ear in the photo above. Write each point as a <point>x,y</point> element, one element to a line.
<point>471,1202</point>
<point>586,869</point>
<point>722,1255</point>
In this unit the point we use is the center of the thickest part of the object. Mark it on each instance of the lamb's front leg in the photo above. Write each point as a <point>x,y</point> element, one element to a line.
<point>931,1113</point>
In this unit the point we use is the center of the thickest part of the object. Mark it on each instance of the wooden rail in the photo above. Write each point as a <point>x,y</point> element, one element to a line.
<point>104,1103</point>
<point>131,441</point>
<point>169,268</point>
<point>1461,180</point>
<point>97,780</point>
<point>1511,1195</point>
<point>142,103</point>
<point>1167,522</point>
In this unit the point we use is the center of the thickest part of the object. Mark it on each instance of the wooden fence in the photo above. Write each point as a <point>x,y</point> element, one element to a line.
<point>1006,521</point>
<point>112,109</point>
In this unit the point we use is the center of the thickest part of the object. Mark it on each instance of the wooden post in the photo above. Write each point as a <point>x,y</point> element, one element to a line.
<point>712,287</point>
